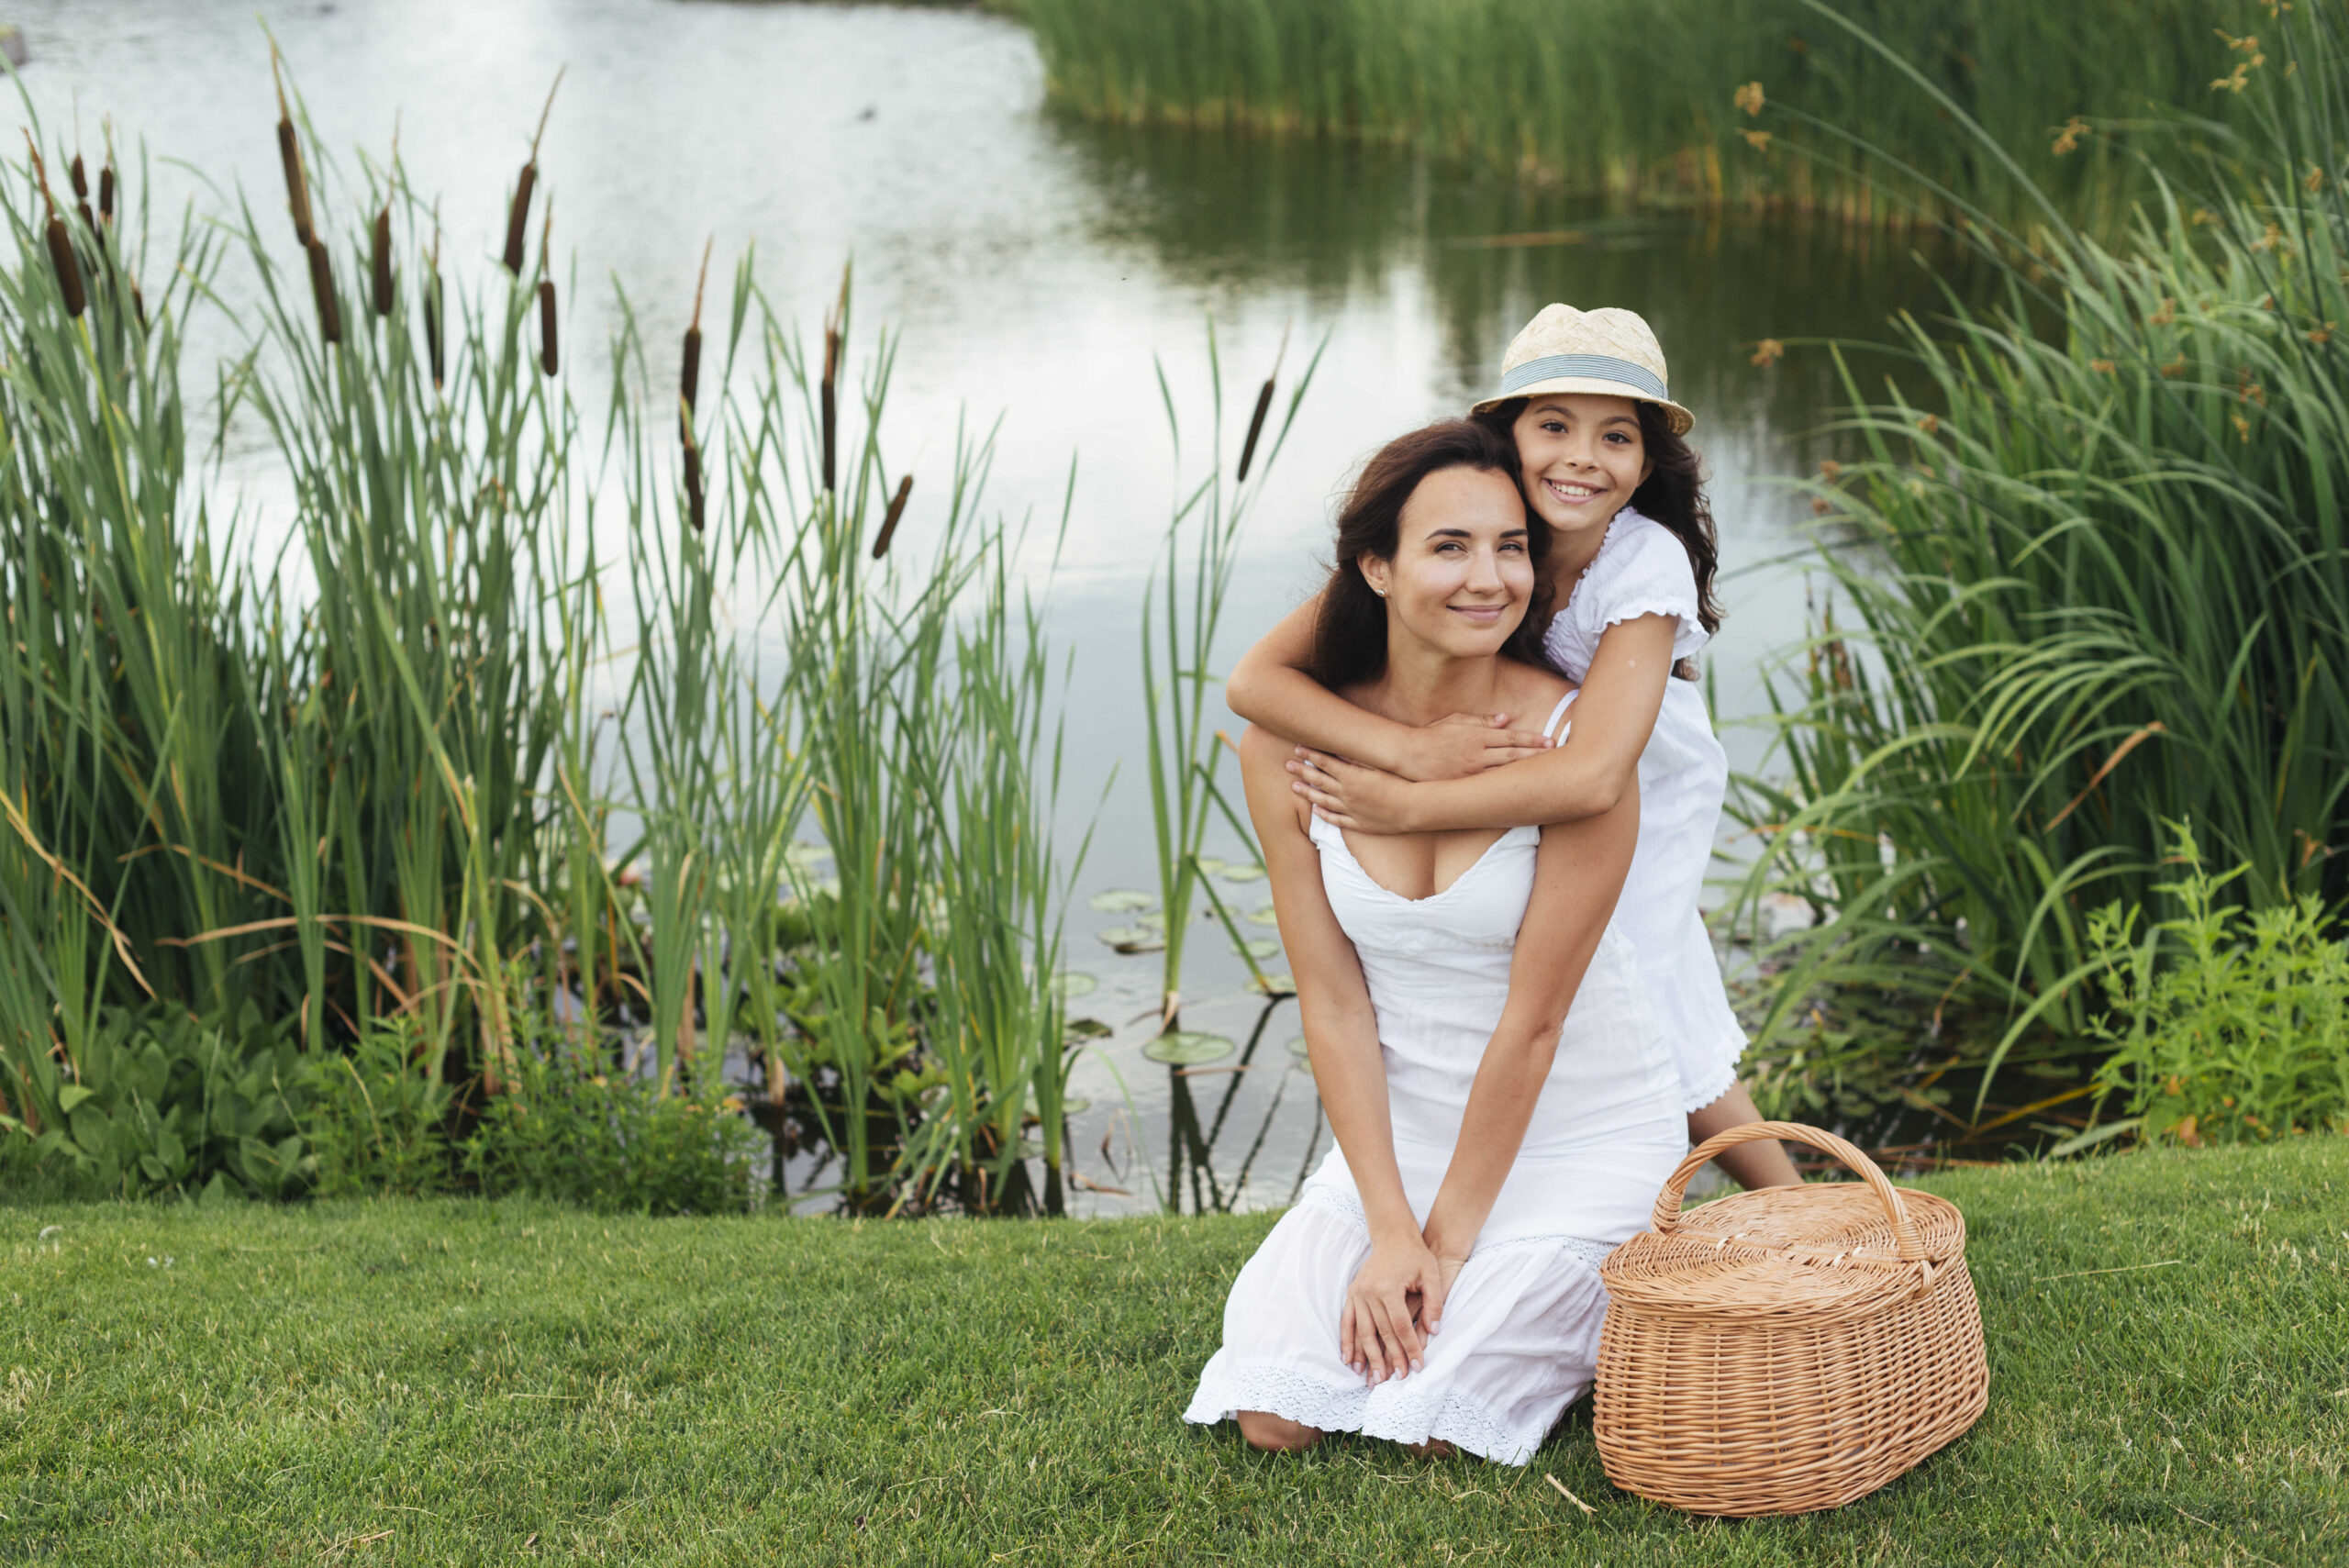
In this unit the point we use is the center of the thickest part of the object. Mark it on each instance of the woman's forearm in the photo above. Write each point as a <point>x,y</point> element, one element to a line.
<point>1500,1106</point>
<point>1350,1073</point>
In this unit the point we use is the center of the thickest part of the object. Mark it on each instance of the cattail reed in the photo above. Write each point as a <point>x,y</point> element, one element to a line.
<point>1263,406</point>
<point>517,217</point>
<point>383,260</point>
<point>829,391</point>
<point>434,348</point>
<point>106,193</point>
<point>82,192</point>
<point>322,291</point>
<point>289,153</point>
<point>889,520</point>
<point>692,486</point>
<point>60,244</point>
<point>547,360</point>
<point>689,373</point>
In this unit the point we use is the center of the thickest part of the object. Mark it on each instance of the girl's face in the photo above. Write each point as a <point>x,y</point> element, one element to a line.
<point>1584,458</point>
<point>1463,571</point>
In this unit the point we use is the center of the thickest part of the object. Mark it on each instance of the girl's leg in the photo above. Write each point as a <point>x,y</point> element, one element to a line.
<point>1762,1163</point>
<point>1276,1434</point>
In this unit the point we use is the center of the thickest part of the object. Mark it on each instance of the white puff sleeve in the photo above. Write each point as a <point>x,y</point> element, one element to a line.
<point>1641,569</point>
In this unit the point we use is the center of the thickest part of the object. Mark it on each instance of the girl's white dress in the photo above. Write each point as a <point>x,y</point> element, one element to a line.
<point>1641,569</point>
<point>1519,1339</point>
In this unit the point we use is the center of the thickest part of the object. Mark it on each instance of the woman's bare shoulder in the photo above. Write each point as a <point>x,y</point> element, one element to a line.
<point>1531,691</point>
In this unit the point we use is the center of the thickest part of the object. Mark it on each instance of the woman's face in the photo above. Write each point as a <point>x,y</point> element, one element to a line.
<point>1584,458</point>
<point>1463,572</point>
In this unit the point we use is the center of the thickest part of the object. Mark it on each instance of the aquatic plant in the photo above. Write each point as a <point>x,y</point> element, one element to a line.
<point>1642,99</point>
<point>2103,587</point>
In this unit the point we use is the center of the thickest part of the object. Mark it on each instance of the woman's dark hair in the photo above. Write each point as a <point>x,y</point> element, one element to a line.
<point>1350,637</point>
<point>1673,495</point>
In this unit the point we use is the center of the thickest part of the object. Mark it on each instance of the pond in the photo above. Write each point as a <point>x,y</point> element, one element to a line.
<point>1036,267</point>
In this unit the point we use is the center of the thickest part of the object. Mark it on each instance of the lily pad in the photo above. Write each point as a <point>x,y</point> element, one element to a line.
<point>1296,1046</point>
<point>1274,986</point>
<point>1070,983</point>
<point>1243,873</point>
<point>1089,1029</point>
<point>1133,939</point>
<point>1263,917</point>
<point>1209,862</point>
<point>1078,1106</point>
<point>1189,1050</point>
<point>1258,947</point>
<point>1122,901</point>
<point>1153,921</point>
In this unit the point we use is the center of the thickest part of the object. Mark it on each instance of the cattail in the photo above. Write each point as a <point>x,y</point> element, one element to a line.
<point>689,375</point>
<point>518,218</point>
<point>289,153</point>
<point>1263,406</point>
<point>68,271</point>
<point>106,193</point>
<point>433,332</point>
<point>433,347</point>
<point>60,244</point>
<point>692,486</point>
<point>889,520</point>
<point>547,360</point>
<point>830,405</point>
<point>82,192</point>
<point>322,291</point>
<point>383,258</point>
<point>138,304</point>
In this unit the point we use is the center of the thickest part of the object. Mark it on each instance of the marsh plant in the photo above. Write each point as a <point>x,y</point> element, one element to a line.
<point>478,791</point>
<point>2088,577</point>
<point>1641,99</point>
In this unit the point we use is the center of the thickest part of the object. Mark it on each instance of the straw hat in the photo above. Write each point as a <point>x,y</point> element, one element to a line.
<point>1607,350</point>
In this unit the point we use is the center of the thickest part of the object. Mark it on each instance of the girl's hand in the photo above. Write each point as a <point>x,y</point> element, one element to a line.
<point>1462,743</point>
<point>1349,794</point>
<point>1398,1286</point>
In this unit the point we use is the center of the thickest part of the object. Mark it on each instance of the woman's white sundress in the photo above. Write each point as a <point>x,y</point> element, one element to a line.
<point>1643,570</point>
<point>1520,1340</point>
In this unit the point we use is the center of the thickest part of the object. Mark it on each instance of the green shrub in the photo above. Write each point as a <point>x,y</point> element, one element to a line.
<point>160,1102</point>
<point>2225,1026</point>
<point>375,1123</point>
<point>570,1129</point>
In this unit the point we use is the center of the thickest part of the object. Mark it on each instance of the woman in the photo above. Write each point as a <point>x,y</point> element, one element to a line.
<point>1504,1105</point>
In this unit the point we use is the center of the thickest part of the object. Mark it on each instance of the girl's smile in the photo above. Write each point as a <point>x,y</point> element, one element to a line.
<point>1584,458</point>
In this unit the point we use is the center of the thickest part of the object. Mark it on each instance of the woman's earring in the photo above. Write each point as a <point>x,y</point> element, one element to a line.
<point>1377,590</point>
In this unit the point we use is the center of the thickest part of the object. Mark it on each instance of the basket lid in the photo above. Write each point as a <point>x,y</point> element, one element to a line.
<point>1832,1248</point>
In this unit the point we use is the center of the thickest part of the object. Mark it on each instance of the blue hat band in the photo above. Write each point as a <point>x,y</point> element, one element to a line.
<point>1592,367</point>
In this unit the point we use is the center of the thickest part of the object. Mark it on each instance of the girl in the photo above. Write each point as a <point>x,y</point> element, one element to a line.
<point>1504,1102</point>
<point>1629,568</point>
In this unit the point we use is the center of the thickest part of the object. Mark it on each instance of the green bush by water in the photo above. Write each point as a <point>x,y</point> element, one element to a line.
<point>1634,97</point>
<point>2225,1026</point>
<point>2105,588</point>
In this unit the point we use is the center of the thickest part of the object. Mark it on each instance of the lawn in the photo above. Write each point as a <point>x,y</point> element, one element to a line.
<point>453,1382</point>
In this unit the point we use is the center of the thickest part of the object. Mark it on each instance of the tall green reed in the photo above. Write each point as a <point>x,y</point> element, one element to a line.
<point>2104,586</point>
<point>1636,99</point>
<point>376,787</point>
<point>1182,612</point>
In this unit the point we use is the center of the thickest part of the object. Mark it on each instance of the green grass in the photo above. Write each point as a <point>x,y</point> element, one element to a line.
<point>457,1382</point>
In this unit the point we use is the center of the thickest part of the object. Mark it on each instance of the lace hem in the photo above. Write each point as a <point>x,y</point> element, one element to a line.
<point>1405,1414</point>
<point>1348,1207</point>
<point>1280,1390</point>
<point>1698,1092</point>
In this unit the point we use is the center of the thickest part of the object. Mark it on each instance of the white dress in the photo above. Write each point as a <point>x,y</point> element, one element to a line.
<point>1519,1339</point>
<point>1641,569</point>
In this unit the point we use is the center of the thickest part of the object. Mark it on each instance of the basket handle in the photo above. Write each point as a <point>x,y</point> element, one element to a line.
<point>1667,1202</point>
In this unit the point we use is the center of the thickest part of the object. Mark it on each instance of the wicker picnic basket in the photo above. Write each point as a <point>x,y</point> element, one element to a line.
<point>1789,1348</point>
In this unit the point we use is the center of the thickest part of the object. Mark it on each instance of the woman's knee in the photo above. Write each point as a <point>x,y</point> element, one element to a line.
<point>1276,1434</point>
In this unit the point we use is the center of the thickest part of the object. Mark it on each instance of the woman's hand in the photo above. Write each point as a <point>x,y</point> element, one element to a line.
<point>1398,1289</point>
